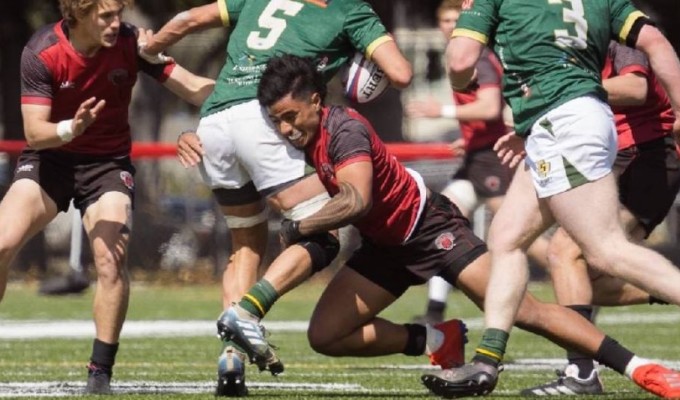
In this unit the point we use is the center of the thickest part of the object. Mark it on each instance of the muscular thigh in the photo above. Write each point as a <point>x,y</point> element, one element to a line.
<point>649,179</point>
<point>241,145</point>
<point>349,301</point>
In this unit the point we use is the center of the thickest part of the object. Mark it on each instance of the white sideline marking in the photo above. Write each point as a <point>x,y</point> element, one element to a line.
<point>77,329</point>
<point>63,389</point>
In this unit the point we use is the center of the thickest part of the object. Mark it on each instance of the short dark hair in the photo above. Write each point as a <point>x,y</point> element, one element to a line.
<point>286,74</point>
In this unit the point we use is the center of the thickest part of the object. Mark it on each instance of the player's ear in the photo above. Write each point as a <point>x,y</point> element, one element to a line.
<point>316,101</point>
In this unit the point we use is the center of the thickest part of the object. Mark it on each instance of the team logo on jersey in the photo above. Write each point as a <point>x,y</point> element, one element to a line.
<point>67,85</point>
<point>127,179</point>
<point>119,76</point>
<point>493,183</point>
<point>445,241</point>
<point>25,168</point>
<point>543,169</point>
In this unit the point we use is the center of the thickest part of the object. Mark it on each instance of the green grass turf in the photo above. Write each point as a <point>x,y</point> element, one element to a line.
<point>182,360</point>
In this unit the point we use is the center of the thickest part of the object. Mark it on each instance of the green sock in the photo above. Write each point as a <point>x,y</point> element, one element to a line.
<point>259,299</point>
<point>492,348</point>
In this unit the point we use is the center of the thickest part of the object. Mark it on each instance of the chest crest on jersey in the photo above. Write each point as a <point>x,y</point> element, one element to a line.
<point>119,76</point>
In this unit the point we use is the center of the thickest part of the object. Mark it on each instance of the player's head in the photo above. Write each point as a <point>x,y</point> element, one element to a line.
<point>96,21</point>
<point>292,90</point>
<point>448,13</point>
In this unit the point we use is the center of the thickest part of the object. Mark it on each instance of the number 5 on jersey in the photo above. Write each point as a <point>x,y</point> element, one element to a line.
<point>276,25</point>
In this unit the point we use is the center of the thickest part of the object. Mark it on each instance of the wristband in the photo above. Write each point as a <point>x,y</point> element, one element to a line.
<point>65,130</point>
<point>448,111</point>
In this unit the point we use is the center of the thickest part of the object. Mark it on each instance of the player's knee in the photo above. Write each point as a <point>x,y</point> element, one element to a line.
<point>320,340</point>
<point>322,248</point>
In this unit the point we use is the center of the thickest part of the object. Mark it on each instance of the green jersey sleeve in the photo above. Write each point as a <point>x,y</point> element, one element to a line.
<point>230,11</point>
<point>478,22</point>
<point>623,16</point>
<point>364,29</point>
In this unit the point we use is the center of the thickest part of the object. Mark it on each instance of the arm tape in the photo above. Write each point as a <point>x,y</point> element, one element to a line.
<point>632,38</point>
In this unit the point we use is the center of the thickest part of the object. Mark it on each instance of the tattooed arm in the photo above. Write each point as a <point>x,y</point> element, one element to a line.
<point>352,202</point>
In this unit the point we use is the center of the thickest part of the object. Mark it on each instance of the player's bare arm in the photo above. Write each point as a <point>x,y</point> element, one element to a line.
<point>390,59</point>
<point>626,90</point>
<point>665,65</point>
<point>351,203</point>
<point>195,19</point>
<point>190,87</point>
<point>40,133</point>
<point>462,54</point>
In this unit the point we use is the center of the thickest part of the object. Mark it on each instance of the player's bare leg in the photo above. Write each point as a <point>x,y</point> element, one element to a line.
<point>107,223</point>
<point>24,211</point>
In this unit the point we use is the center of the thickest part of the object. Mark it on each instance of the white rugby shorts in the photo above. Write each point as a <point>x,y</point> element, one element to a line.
<point>570,145</point>
<point>241,144</point>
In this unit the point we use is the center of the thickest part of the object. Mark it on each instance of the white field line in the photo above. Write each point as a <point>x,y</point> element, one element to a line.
<point>63,389</point>
<point>77,329</point>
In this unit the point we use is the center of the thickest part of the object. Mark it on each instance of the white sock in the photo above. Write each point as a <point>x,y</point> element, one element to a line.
<point>633,364</point>
<point>433,340</point>
<point>438,289</point>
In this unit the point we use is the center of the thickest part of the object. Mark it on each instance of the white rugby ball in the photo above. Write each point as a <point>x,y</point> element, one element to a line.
<point>364,80</point>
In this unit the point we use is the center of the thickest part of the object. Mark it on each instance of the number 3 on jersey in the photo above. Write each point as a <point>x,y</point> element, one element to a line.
<point>572,15</point>
<point>275,25</point>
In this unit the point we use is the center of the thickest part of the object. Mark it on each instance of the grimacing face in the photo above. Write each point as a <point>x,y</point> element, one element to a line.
<point>297,120</point>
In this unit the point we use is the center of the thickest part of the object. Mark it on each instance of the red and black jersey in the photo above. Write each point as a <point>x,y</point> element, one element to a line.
<point>345,137</point>
<point>638,124</point>
<point>482,134</point>
<point>53,73</point>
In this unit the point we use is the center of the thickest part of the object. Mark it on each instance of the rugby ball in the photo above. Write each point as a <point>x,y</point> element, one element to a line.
<point>363,80</point>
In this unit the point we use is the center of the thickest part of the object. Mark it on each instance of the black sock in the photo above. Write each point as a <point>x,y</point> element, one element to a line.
<point>656,300</point>
<point>436,309</point>
<point>417,339</point>
<point>583,362</point>
<point>613,355</point>
<point>104,354</point>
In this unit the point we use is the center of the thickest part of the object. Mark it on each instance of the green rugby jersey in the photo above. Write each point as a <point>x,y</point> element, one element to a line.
<point>552,51</point>
<point>329,31</point>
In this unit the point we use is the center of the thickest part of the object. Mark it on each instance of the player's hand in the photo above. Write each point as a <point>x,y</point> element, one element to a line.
<point>145,35</point>
<point>458,147</point>
<point>86,114</point>
<point>510,149</point>
<point>189,149</point>
<point>429,108</point>
<point>289,232</point>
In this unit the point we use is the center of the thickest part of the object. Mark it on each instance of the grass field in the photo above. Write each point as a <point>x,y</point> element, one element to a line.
<point>163,364</point>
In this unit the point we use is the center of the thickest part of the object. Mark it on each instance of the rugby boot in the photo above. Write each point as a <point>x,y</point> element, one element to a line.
<point>452,351</point>
<point>242,328</point>
<point>231,373</point>
<point>567,384</point>
<point>659,380</point>
<point>472,379</point>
